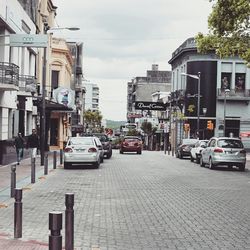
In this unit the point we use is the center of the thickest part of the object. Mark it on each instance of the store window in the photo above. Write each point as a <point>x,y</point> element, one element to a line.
<point>240,82</point>
<point>226,80</point>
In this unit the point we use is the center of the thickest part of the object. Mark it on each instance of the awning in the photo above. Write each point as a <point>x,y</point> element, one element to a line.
<point>52,106</point>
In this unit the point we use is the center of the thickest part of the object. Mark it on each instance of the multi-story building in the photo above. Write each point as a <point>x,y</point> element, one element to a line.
<point>142,88</point>
<point>91,96</point>
<point>77,123</point>
<point>224,91</point>
<point>17,77</point>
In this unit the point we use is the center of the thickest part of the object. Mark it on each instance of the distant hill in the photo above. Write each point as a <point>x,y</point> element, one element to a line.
<point>114,124</point>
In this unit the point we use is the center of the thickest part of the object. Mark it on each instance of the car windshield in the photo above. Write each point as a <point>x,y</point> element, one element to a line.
<point>189,141</point>
<point>229,143</point>
<point>131,139</point>
<point>203,143</point>
<point>81,141</point>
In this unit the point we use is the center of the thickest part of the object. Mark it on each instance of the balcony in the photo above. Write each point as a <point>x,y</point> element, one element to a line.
<point>9,76</point>
<point>234,95</point>
<point>27,83</point>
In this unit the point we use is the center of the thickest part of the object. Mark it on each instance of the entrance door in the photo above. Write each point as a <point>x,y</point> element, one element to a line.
<point>233,126</point>
<point>54,131</point>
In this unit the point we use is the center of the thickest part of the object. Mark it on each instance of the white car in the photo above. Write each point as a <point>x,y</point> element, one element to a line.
<point>196,151</point>
<point>83,150</point>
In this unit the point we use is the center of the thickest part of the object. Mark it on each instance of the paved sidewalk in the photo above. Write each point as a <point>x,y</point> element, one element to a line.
<point>23,180</point>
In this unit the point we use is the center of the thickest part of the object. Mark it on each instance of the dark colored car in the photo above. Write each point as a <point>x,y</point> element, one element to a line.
<point>184,149</point>
<point>106,143</point>
<point>131,144</point>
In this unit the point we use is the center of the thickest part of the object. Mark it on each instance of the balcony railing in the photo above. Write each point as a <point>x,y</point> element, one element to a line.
<point>9,73</point>
<point>234,94</point>
<point>27,83</point>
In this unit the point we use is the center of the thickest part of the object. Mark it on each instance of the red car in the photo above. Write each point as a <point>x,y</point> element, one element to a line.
<point>131,144</point>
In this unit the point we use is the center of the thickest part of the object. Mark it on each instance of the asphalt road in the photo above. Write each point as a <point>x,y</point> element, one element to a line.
<point>149,201</point>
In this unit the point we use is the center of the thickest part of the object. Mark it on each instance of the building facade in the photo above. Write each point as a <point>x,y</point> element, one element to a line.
<point>91,96</point>
<point>142,88</point>
<point>224,92</point>
<point>17,78</point>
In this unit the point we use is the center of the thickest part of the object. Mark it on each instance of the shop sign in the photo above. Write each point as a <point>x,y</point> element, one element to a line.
<point>151,106</point>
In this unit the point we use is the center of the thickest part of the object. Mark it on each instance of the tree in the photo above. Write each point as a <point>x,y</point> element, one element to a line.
<point>93,120</point>
<point>229,30</point>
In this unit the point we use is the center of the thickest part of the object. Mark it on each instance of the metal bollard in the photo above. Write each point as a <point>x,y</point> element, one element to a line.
<point>61,156</point>
<point>18,213</point>
<point>46,162</point>
<point>69,221</point>
<point>54,160</point>
<point>33,170</point>
<point>55,227</point>
<point>13,180</point>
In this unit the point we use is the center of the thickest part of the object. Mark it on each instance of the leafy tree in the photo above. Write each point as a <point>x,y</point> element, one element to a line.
<point>229,30</point>
<point>93,120</point>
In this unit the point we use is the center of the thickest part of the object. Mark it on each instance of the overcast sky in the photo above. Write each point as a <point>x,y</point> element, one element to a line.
<point>123,38</point>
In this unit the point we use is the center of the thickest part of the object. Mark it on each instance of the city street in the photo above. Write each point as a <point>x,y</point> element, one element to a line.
<point>149,201</point>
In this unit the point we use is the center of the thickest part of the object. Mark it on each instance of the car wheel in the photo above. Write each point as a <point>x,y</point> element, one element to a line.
<point>177,154</point>
<point>102,159</point>
<point>180,156</point>
<point>121,152</point>
<point>211,165</point>
<point>139,152</point>
<point>66,165</point>
<point>197,159</point>
<point>97,164</point>
<point>191,158</point>
<point>242,167</point>
<point>202,164</point>
<point>109,155</point>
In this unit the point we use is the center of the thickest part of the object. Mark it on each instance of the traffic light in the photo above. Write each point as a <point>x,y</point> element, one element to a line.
<point>186,127</point>
<point>210,125</point>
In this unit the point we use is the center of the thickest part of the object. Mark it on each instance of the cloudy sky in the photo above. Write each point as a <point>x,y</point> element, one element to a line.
<point>123,38</point>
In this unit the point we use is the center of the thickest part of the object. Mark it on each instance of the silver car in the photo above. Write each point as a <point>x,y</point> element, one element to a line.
<point>83,150</point>
<point>224,151</point>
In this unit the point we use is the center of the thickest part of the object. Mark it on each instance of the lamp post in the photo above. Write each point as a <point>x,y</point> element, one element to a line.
<point>198,77</point>
<point>225,102</point>
<point>46,30</point>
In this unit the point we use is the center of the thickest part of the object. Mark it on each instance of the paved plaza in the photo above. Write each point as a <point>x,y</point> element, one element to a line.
<point>149,201</point>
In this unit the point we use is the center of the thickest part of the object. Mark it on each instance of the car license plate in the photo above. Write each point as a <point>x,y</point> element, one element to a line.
<point>80,150</point>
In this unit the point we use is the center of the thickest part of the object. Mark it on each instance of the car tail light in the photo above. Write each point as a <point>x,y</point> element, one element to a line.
<point>92,150</point>
<point>243,151</point>
<point>218,150</point>
<point>68,150</point>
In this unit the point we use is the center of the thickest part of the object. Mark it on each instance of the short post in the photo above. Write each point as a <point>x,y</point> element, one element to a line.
<point>61,156</point>
<point>69,221</point>
<point>46,162</point>
<point>13,180</point>
<point>55,227</point>
<point>54,160</point>
<point>33,170</point>
<point>18,213</point>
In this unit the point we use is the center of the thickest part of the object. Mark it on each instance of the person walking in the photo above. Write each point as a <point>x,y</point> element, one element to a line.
<point>33,143</point>
<point>19,145</point>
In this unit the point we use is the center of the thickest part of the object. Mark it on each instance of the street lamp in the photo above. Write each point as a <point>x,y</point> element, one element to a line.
<point>46,30</point>
<point>225,101</point>
<point>198,77</point>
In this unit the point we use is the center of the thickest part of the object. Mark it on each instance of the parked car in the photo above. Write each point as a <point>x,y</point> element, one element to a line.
<point>83,150</point>
<point>106,143</point>
<point>131,144</point>
<point>195,153</point>
<point>184,149</point>
<point>224,151</point>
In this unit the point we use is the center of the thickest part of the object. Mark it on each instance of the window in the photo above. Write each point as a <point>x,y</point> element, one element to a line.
<point>240,82</point>
<point>225,80</point>
<point>54,79</point>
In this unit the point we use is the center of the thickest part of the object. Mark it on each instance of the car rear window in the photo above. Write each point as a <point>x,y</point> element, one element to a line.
<point>229,143</point>
<point>81,141</point>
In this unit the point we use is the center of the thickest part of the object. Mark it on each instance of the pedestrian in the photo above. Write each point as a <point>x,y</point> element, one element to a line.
<point>33,143</point>
<point>19,145</point>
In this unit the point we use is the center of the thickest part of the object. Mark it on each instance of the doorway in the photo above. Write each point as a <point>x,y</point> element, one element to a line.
<point>54,132</point>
